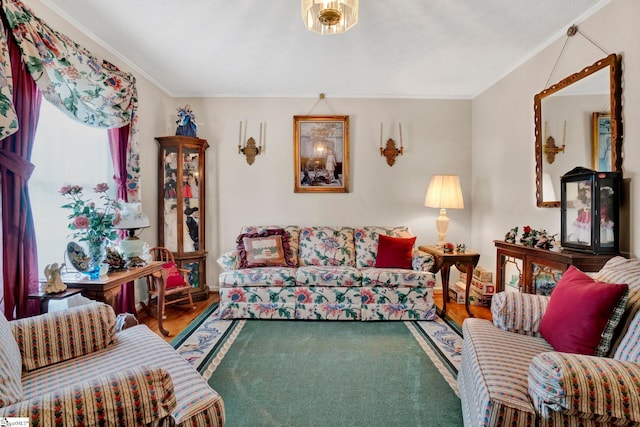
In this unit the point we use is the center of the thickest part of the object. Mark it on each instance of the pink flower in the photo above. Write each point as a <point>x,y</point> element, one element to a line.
<point>526,229</point>
<point>81,222</point>
<point>101,188</point>
<point>66,190</point>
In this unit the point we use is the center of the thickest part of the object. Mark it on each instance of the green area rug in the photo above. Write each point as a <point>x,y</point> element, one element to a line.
<point>322,373</point>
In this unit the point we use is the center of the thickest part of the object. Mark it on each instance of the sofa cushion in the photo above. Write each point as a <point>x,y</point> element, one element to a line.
<point>328,276</point>
<point>366,242</point>
<point>496,380</point>
<point>324,246</point>
<point>10,367</point>
<point>292,230</point>
<point>262,276</point>
<point>394,252</point>
<point>264,249</point>
<point>627,337</point>
<point>582,314</point>
<point>397,277</point>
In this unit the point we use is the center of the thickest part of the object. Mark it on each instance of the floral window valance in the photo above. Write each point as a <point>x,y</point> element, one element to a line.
<point>87,89</point>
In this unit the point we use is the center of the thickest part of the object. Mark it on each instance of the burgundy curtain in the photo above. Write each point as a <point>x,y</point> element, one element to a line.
<point>20,259</point>
<point>118,144</point>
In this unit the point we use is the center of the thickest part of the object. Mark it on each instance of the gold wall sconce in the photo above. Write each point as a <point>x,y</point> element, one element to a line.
<point>550,148</point>
<point>250,149</point>
<point>390,151</point>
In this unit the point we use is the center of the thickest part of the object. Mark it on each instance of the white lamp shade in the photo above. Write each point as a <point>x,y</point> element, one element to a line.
<point>444,192</point>
<point>329,16</point>
<point>132,217</point>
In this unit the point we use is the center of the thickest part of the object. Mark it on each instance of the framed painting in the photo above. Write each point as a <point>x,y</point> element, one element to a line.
<point>321,154</point>
<point>602,160</point>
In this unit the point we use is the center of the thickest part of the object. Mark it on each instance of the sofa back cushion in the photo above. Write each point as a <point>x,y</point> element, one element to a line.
<point>626,344</point>
<point>54,337</point>
<point>366,242</point>
<point>294,238</point>
<point>327,246</point>
<point>10,366</point>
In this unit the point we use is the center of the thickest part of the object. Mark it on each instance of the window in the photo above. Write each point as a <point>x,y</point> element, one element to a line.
<point>65,152</point>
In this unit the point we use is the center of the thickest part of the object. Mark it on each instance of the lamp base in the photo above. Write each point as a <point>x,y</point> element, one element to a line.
<point>442,224</point>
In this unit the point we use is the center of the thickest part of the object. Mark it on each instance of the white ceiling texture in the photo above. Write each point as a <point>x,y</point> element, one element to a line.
<point>256,48</point>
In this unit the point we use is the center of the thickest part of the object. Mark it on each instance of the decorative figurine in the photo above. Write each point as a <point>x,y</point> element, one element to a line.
<point>448,248</point>
<point>54,281</point>
<point>510,237</point>
<point>461,248</point>
<point>115,260</point>
<point>186,122</point>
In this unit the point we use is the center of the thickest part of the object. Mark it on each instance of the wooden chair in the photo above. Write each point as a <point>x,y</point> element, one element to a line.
<point>172,295</point>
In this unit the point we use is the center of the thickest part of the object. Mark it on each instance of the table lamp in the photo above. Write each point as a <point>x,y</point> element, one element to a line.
<point>132,219</point>
<point>444,192</point>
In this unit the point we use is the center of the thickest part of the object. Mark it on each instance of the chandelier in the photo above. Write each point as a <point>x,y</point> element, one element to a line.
<point>330,17</point>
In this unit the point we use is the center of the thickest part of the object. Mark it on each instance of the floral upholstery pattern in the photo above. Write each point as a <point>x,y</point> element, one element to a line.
<point>327,284</point>
<point>328,276</point>
<point>328,303</point>
<point>327,246</point>
<point>260,276</point>
<point>257,302</point>
<point>398,303</point>
<point>510,376</point>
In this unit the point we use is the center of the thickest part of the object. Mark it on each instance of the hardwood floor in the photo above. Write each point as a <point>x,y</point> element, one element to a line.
<point>179,318</point>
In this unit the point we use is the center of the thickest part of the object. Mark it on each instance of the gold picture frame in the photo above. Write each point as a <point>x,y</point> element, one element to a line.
<point>321,154</point>
<point>602,156</point>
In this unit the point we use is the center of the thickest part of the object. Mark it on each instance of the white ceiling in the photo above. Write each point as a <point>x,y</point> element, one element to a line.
<point>399,48</point>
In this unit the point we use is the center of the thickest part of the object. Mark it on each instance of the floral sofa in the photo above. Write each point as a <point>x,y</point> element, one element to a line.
<point>71,368</point>
<point>510,375</point>
<point>331,275</point>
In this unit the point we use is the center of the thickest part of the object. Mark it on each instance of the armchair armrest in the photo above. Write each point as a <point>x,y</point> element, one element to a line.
<point>61,335</point>
<point>421,261</point>
<point>518,312</point>
<point>136,396</point>
<point>228,260</point>
<point>590,387</point>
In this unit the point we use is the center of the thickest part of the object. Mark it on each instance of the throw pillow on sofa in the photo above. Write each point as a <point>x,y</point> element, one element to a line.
<point>582,314</point>
<point>269,248</point>
<point>394,252</point>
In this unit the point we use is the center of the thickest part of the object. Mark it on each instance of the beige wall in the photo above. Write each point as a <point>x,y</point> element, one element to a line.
<point>503,130</point>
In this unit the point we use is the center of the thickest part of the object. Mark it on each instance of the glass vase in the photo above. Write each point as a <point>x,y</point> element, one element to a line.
<point>96,255</point>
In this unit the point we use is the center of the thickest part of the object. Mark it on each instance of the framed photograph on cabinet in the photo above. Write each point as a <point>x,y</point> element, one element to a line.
<point>602,160</point>
<point>321,154</point>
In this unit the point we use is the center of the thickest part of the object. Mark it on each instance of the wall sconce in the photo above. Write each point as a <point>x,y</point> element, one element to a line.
<point>390,151</point>
<point>250,150</point>
<point>550,149</point>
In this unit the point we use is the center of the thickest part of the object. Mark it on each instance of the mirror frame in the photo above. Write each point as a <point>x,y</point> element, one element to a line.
<point>615,93</point>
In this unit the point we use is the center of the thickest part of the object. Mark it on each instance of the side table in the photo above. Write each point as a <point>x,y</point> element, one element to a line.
<point>464,262</point>
<point>45,298</point>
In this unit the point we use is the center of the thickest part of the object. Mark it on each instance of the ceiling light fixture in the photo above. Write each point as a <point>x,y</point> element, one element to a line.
<point>330,17</point>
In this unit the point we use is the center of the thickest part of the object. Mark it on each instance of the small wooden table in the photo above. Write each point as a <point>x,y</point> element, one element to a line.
<point>45,298</point>
<point>106,288</point>
<point>464,262</point>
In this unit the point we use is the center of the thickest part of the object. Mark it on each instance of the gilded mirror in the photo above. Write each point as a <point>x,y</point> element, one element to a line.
<point>578,122</point>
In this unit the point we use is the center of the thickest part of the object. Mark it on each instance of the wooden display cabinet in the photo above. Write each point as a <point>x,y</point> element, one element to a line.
<point>182,207</point>
<point>537,271</point>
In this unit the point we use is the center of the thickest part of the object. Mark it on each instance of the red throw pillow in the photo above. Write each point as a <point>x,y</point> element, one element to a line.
<point>394,252</point>
<point>582,314</point>
<point>174,277</point>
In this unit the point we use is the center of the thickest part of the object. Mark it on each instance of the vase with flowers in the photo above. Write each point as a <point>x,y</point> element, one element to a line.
<point>91,224</point>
